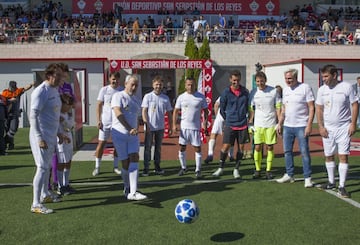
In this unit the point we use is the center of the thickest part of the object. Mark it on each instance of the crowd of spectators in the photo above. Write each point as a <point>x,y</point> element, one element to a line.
<point>49,23</point>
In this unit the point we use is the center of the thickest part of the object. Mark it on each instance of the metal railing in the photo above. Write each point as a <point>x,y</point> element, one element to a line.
<point>149,35</point>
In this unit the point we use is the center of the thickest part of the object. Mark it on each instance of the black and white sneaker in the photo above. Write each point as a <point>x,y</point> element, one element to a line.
<point>343,193</point>
<point>182,172</point>
<point>327,186</point>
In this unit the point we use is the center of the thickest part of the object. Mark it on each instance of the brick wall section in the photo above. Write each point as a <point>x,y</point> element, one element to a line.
<point>222,54</point>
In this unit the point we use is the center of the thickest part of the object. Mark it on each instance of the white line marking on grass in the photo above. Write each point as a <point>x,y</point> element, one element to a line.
<point>348,200</point>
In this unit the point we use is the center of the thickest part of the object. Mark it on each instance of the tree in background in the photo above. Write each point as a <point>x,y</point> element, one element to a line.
<point>193,53</point>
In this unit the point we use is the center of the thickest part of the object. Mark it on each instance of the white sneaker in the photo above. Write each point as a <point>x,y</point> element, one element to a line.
<point>40,209</point>
<point>308,183</point>
<point>236,173</point>
<point>218,172</point>
<point>137,196</point>
<point>117,171</point>
<point>96,172</point>
<point>286,178</point>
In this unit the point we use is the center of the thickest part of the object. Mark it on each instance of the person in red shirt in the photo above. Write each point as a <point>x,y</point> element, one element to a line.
<point>12,95</point>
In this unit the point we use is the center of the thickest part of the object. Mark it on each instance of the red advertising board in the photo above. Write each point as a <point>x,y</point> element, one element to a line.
<point>204,65</point>
<point>244,7</point>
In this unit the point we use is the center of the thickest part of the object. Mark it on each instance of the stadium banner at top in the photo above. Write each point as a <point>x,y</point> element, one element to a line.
<point>228,7</point>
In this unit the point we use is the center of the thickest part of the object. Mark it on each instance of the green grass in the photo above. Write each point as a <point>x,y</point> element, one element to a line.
<point>231,212</point>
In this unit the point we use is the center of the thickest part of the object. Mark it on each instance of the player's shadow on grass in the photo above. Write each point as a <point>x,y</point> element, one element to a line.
<point>7,167</point>
<point>227,237</point>
<point>186,190</point>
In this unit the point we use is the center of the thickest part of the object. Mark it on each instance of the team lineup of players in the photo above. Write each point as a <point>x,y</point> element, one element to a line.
<point>260,116</point>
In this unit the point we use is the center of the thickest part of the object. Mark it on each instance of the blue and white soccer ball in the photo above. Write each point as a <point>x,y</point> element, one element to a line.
<point>187,211</point>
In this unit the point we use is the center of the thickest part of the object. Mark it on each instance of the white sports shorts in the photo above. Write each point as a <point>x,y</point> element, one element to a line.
<point>190,136</point>
<point>125,144</point>
<point>338,139</point>
<point>105,133</point>
<point>218,125</point>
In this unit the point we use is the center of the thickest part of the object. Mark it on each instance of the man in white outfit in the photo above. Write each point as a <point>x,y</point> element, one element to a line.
<point>336,113</point>
<point>104,115</point>
<point>191,104</point>
<point>44,123</point>
<point>126,110</point>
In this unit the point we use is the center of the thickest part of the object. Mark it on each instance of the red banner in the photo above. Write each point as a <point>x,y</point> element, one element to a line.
<point>229,7</point>
<point>159,64</point>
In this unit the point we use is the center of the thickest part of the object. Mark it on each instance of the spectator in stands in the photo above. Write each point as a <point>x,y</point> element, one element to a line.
<point>222,21</point>
<point>231,22</point>
<point>118,11</point>
<point>169,29</point>
<point>326,28</point>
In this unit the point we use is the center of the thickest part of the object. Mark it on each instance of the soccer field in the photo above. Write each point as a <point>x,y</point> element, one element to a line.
<point>232,211</point>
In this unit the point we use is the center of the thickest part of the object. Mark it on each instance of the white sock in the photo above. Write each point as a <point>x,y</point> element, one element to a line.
<point>198,161</point>
<point>133,177</point>
<point>182,159</point>
<point>211,147</point>
<point>330,168</point>
<point>37,185</point>
<point>125,177</point>
<point>60,176</point>
<point>66,176</point>
<point>231,152</point>
<point>116,162</point>
<point>343,169</point>
<point>45,188</point>
<point>97,162</point>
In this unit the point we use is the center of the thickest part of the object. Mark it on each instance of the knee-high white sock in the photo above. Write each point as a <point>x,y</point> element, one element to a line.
<point>211,147</point>
<point>97,162</point>
<point>60,176</point>
<point>45,185</point>
<point>182,159</point>
<point>125,177</point>
<point>66,176</point>
<point>198,161</point>
<point>133,176</point>
<point>116,162</point>
<point>37,185</point>
<point>343,170</point>
<point>330,168</point>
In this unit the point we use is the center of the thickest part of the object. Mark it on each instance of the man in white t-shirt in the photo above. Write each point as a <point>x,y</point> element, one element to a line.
<point>126,108</point>
<point>264,108</point>
<point>44,123</point>
<point>155,106</point>
<point>191,104</point>
<point>297,115</point>
<point>336,113</point>
<point>104,116</point>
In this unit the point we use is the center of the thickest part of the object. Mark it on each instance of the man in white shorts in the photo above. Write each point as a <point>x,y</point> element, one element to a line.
<point>264,108</point>
<point>217,129</point>
<point>44,123</point>
<point>126,110</point>
<point>336,113</point>
<point>104,116</point>
<point>191,104</point>
<point>155,106</point>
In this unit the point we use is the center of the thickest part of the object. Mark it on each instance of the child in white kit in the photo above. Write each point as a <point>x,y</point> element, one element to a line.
<point>64,149</point>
